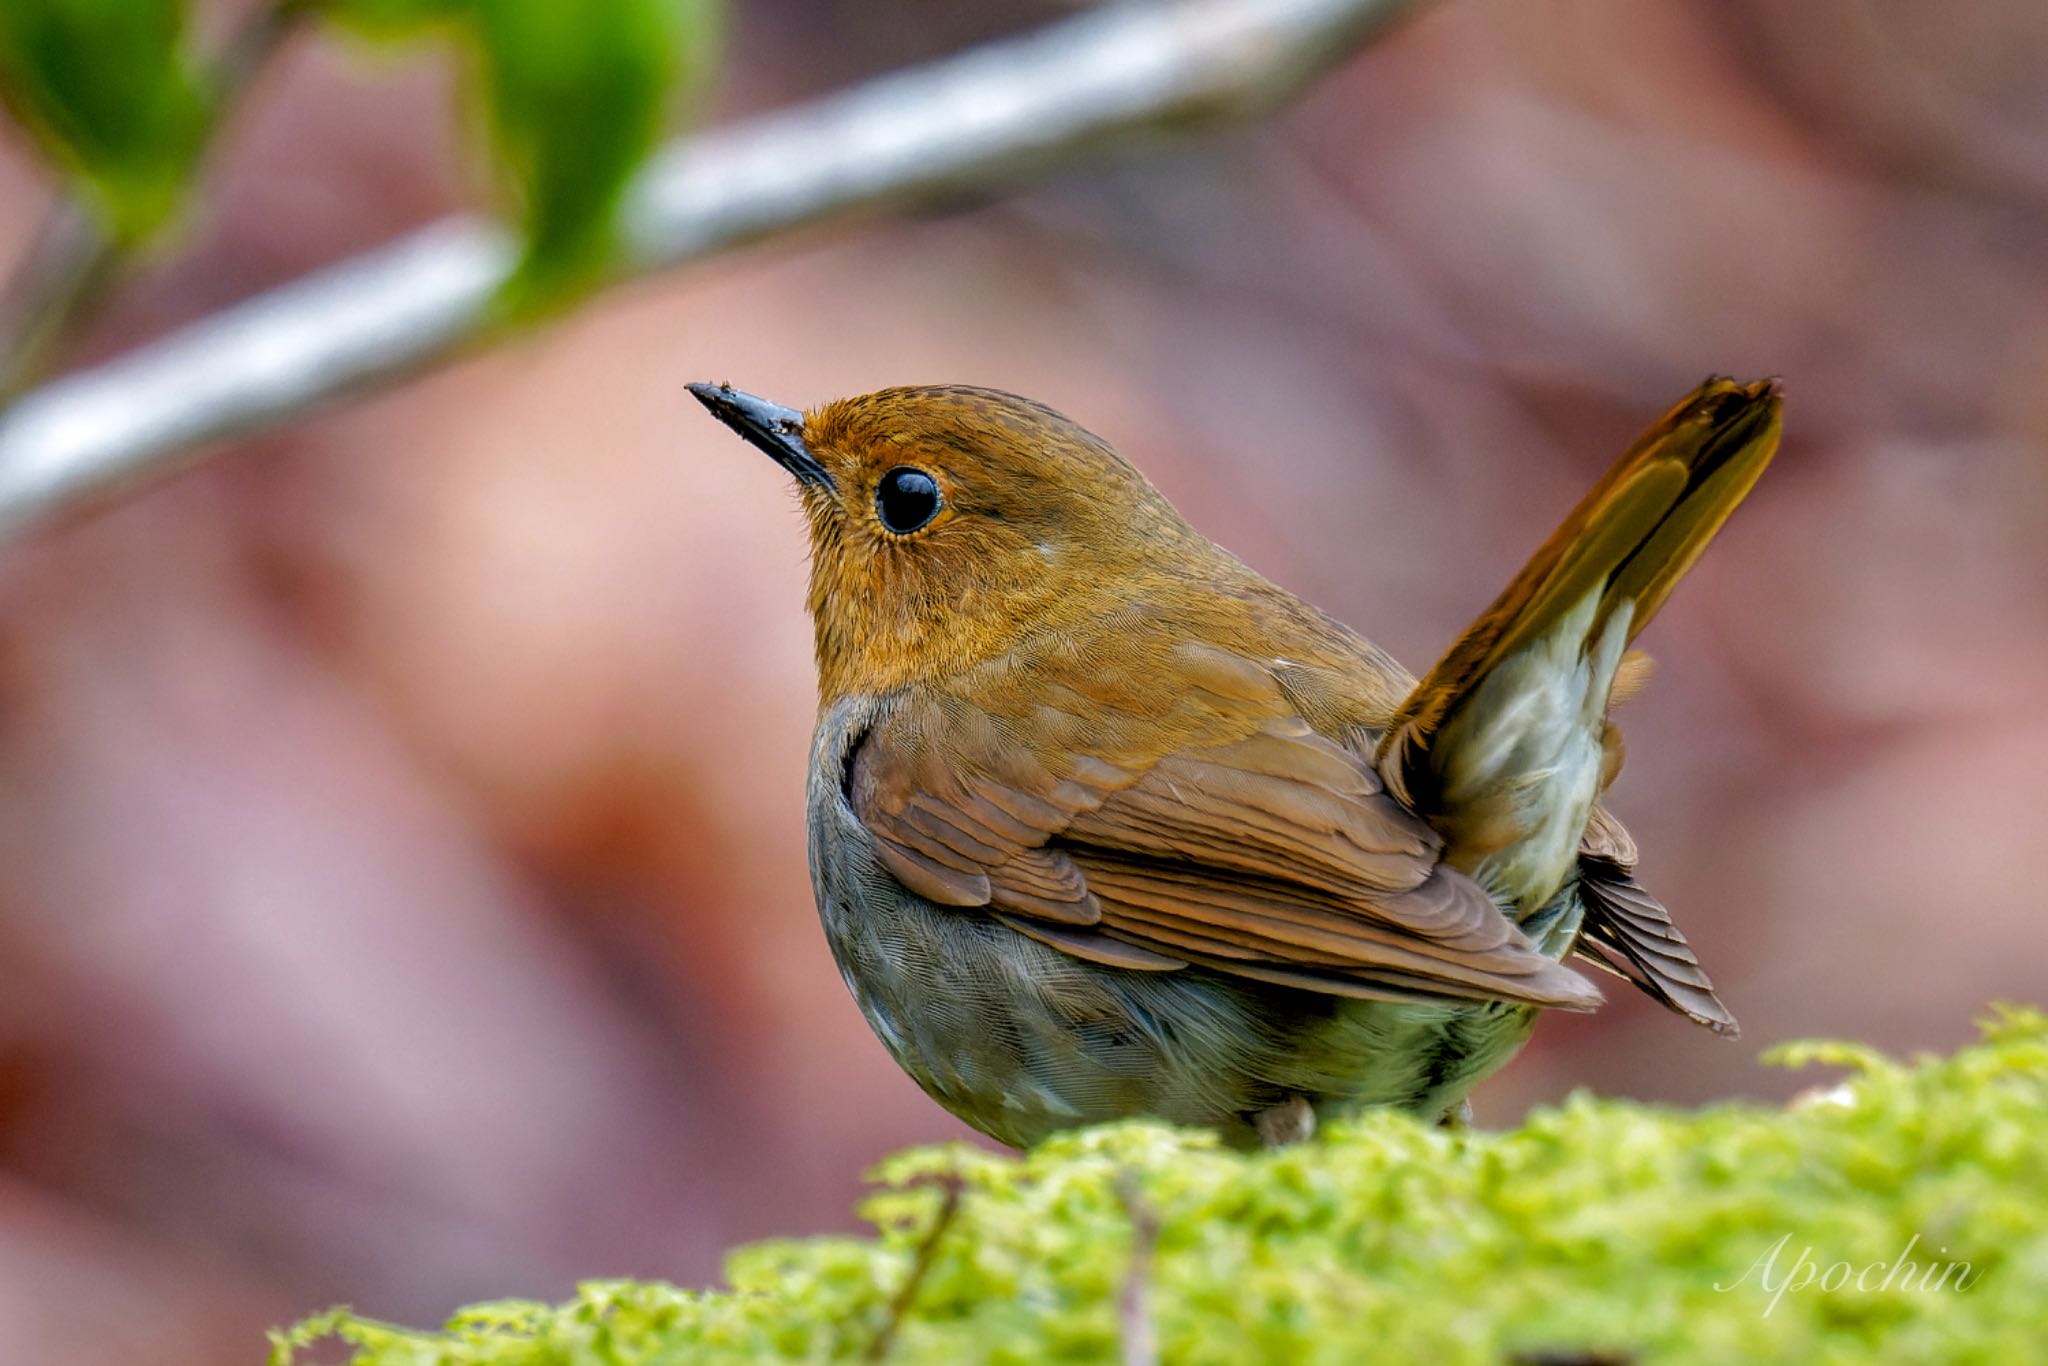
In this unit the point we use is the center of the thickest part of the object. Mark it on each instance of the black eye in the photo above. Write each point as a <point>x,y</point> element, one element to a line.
<point>906,499</point>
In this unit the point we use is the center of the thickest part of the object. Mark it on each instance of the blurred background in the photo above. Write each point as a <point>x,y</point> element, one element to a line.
<point>406,898</point>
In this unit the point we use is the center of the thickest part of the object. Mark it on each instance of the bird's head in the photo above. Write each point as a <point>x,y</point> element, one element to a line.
<point>948,524</point>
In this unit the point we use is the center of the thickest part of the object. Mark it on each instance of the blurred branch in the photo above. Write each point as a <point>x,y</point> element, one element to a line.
<point>64,276</point>
<point>990,115</point>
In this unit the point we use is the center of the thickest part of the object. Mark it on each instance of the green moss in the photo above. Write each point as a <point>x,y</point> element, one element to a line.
<point>1597,1227</point>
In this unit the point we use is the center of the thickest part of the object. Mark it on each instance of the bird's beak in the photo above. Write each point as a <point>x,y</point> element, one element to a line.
<point>774,428</point>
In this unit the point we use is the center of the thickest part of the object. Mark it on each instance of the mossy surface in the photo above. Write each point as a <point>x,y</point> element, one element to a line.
<point>1599,1230</point>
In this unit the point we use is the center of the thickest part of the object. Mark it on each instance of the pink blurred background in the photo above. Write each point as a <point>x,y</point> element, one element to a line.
<point>403,814</point>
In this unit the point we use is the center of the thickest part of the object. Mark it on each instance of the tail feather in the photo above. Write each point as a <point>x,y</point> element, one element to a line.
<point>1629,933</point>
<point>1500,745</point>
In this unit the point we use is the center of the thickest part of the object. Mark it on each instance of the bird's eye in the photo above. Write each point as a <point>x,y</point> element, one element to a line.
<point>906,499</point>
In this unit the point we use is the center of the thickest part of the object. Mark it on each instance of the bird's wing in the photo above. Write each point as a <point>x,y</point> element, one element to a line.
<point>1629,933</point>
<point>1194,826</point>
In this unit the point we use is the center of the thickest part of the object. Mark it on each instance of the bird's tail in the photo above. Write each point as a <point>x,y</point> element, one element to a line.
<point>1501,745</point>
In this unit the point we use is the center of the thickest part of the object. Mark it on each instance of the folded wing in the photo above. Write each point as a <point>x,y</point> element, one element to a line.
<point>1267,851</point>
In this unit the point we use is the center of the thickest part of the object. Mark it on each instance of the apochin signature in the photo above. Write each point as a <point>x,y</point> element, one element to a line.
<point>1805,1273</point>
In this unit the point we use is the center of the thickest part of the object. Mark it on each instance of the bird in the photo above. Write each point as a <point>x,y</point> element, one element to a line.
<point>1104,824</point>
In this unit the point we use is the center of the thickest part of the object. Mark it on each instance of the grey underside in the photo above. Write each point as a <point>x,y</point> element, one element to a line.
<point>1021,1040</point>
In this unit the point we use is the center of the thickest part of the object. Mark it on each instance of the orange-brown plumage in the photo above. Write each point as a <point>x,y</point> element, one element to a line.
<point>1075,757</point>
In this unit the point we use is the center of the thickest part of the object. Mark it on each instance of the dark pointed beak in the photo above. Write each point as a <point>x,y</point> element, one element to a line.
<point>774,428</point>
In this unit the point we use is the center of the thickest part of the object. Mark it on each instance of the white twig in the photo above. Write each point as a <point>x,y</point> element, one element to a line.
<point>984,117</point>
<point>1137,1338</point>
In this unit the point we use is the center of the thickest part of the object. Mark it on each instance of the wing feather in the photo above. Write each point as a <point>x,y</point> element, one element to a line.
<point>1251,844</point>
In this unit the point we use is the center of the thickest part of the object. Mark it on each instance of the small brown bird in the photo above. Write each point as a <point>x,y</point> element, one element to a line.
<point>1104,824</point>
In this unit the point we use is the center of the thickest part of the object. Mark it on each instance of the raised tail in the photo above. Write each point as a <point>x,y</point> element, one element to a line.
<point>1501,746</point>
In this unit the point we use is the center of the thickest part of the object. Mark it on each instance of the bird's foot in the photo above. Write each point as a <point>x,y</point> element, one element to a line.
<point>1293,1120</point>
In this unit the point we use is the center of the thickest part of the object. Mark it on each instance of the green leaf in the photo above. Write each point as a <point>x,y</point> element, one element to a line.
<point>391,19</point>
<point>574,98</point>
<point>109,91</point>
